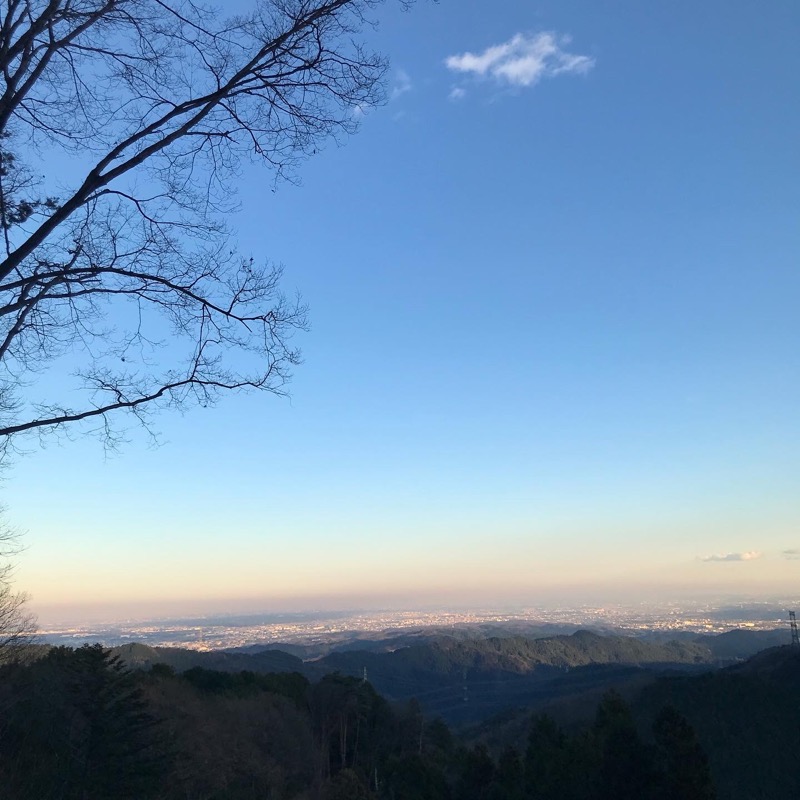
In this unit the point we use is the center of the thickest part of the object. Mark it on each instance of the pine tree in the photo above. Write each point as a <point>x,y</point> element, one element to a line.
<point>627,767</point>
<point>686,773</point>
<point>78,728</point>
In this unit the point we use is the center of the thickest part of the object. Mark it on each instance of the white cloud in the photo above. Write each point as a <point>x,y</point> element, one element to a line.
<point>791,555</point>
<point>523,60</point>
<point>751,555</point>
<point>457,93</point>
<point>402,84</point>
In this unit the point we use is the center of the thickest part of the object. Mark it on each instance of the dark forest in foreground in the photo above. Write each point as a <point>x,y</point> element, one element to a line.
<point>79,724</point>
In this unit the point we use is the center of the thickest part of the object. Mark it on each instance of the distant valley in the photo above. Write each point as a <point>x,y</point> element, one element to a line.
<point>466,678</point>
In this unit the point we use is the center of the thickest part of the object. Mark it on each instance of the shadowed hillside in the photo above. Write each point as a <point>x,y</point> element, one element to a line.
<point>747,718</point>
<point>142,656</point>
<point>460,678</point>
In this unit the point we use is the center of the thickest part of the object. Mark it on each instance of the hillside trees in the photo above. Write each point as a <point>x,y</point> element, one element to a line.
<point>16,624</point>
<point>685,764</point>
<point>75,725</point>
<point>119,269</point>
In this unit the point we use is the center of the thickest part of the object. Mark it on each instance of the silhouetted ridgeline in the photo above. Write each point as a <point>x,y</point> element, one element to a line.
<point>745,717</point>
<point>739,643</point>
<point>748,718</point>
<point>522,655</point>
<point>142,656</point>
<point>78,724</point>
<point>440,671</point>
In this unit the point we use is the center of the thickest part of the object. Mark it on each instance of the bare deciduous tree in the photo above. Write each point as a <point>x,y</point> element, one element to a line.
<point>128,276</point>
<point>16,624</point>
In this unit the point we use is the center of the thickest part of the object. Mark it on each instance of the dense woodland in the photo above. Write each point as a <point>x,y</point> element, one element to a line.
<point>493,672</point>
<point>79,724</point>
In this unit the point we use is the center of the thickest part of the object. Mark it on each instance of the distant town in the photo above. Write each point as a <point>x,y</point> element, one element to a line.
<point>233,631</point>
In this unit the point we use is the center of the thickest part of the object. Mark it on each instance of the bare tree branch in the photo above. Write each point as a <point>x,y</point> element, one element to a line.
<point>131,273</point>
<point>17,626</point>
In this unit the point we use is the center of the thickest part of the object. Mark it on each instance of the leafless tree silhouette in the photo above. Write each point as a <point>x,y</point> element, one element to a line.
<point>16,624</point>
<point>129,277</point>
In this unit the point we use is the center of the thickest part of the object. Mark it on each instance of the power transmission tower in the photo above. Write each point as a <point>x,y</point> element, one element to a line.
<point>793,623</point>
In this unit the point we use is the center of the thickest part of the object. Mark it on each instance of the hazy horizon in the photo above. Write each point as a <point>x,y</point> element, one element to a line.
<point>160,610</point>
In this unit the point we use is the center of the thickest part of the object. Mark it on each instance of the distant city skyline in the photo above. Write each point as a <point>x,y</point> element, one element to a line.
<point>313,628</point>
<point>561,601</point>
<point>553,290</point>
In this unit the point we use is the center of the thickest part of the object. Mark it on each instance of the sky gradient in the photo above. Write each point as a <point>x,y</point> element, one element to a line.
<point>555,341</point>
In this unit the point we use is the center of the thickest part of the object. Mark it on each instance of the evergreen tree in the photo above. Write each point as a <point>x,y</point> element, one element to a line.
<point>627,765</point>
<point>78,728</point>
<point>549,761</point>
<point>347,785</point>
<point>476,776</point>
<point>412,777</point>
<point>509,781</point>
<point>686,774</point>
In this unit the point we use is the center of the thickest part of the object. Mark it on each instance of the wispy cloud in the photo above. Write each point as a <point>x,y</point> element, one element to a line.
<point>457,93</point>
<point>402,84</point>
<point>792,554</point>
<point>751,555</point>
<point>523,60</point>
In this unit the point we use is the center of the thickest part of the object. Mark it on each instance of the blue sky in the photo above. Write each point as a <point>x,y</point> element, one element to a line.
<point>554,350</point>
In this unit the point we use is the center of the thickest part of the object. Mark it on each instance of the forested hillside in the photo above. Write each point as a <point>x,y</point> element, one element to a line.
<point>744,717</point>
<point>78,724</point>
<point>748,719</point>
<point>460,678</point>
